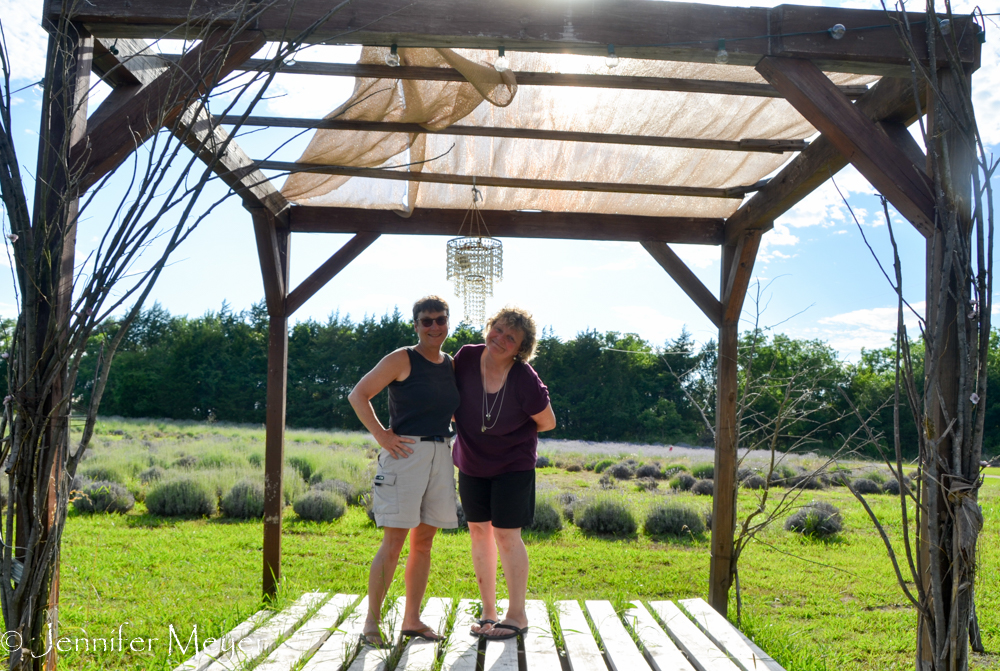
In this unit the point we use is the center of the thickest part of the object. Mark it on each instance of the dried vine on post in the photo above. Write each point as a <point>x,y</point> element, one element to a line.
<point>939,572</point>
<point>155,204</point>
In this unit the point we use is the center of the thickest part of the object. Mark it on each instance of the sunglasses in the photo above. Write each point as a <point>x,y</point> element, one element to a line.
<point>440,321</point>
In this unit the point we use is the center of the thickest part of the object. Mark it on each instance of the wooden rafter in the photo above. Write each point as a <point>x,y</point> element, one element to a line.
<point>507,224</point>
<point>510,182</point>
<point>752,145</point>
<point>891,100</point>
<point>686,280</point>
<point>870,150</point>
<point>666,30</point>
<point>117,130</point>
<point>718,87</point>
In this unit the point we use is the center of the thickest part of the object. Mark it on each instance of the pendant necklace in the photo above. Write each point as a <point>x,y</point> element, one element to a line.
<point>492,411</point>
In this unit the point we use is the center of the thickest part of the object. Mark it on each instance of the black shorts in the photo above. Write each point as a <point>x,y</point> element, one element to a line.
<point>507,500</point>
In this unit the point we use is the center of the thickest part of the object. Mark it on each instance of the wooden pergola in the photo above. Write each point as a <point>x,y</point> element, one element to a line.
<point>789,45</point>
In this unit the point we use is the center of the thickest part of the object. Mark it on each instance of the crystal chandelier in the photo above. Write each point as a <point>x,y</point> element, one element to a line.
<point>475,262</point>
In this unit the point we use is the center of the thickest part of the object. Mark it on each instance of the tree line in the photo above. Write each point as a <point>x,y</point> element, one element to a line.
<point>604,386</point>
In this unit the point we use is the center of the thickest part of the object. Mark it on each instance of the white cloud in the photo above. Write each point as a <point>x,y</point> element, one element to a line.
<point>869,328</point>
<point>26,41</point>
<point>698,256</point>
<point>876,318</point>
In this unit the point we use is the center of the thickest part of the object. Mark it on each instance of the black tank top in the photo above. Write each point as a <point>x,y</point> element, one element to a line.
<point>423,403</point>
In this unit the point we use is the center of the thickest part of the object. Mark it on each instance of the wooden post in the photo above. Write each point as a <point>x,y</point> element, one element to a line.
<point>726,434</point>
<point>64,122</point>
<point>274,452</point>
<point>956,163</point>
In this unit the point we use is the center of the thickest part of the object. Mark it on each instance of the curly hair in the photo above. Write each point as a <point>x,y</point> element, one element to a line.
<point>430,303</point>
<point>523,321</point>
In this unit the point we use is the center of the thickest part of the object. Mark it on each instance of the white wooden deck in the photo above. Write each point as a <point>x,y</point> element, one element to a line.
<point>320,632</point>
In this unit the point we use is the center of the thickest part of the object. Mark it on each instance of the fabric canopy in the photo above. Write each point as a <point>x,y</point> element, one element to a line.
<point>490,98</point>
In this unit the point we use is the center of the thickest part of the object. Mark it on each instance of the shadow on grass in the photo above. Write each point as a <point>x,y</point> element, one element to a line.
<point>634,536</point>
<point>687,540</point>
<point>834,539</point>
<point>150,521</point>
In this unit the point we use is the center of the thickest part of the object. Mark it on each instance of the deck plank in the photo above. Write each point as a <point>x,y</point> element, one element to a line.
<point>309,637</point>
<point>264,639</point>
<point>342,644</point>
<point>702,653</point>
<point>501,655</point>
<point>462,649</point>
<point>660,651</point>
<point>226,644</point>
<point>622,653</point>
<point>769,662</point>
<point>419,654</point>
<point>374,659</point>
<point>726,636</point>
<point>539,645</point>
<point>581,648</point>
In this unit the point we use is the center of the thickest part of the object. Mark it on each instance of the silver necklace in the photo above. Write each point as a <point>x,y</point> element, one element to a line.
<point>489,410</point>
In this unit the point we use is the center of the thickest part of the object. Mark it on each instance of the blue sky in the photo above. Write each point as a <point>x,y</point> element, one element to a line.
<point>817,276</point>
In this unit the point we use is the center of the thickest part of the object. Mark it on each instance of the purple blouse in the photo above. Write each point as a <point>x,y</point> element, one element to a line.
<point>511,443</point>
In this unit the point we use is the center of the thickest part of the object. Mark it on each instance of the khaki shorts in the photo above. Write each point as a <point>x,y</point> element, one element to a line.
<point>420,488</point>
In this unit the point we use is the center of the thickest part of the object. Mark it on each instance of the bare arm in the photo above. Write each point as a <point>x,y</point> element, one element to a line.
<point>393,366</point>
<point>546,419</point>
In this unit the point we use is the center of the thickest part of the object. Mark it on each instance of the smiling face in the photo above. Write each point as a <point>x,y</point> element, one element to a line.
<point>504,341</point>
<point>434,335</point>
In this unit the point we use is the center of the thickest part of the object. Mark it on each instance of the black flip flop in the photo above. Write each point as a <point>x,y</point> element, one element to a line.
<point>378,645</point>
<point>514,632</point>
<point>426,634</point>
<point>481,623</point>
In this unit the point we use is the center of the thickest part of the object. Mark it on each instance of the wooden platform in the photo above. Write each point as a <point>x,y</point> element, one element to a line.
<point>320,632</point>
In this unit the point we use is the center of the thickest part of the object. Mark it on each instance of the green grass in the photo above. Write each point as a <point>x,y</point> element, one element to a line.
<point>813,605</point>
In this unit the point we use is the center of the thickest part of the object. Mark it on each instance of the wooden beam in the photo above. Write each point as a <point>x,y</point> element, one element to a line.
<point>755,145</point>
<point>509,182</point>
<point>686,280</point>
<point>662,30</point>
<point>890,100</point>
<point>135,62</point>
<point>900,136</point>
<point>375,71</point>
<point>738,277</point>
<point>326,272</point>
<point>117,130</point>
<point>274,440</point>
<point>267,234</point>
<point>856,136</point>
<point>507,224</point>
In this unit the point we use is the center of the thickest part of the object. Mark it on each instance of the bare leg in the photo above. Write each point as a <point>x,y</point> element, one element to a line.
<point>514,559</point>
<point>418,568</point>
<point>380,575</point>
<point>484,562</point>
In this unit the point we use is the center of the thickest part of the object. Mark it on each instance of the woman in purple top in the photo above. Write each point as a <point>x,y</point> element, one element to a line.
<point>503,407</point>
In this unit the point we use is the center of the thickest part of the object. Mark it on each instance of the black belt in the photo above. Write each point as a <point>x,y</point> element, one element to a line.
<point>434,439</point>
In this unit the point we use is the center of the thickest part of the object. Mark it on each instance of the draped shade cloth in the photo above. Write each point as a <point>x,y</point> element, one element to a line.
<point>490,98</point>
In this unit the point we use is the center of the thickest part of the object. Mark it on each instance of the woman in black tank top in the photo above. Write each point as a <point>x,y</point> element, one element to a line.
<point>415,457</point>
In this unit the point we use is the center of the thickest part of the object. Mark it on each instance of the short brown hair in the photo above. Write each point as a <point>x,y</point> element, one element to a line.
<point>520,319</point>
<point>430,303</point>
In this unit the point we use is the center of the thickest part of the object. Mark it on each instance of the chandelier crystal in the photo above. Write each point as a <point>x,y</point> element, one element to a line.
<point>475,262</point>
